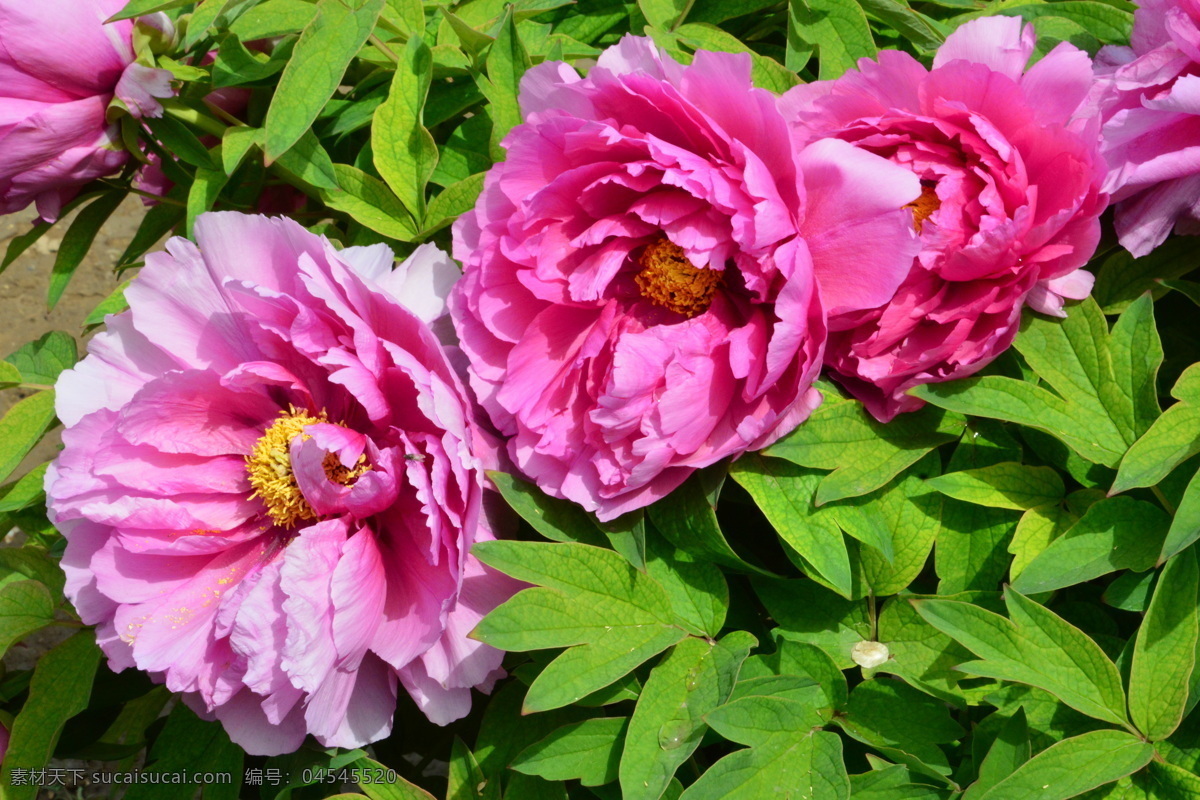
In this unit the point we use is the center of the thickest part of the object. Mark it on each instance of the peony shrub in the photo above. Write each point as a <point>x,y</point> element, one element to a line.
<point>648,400</point>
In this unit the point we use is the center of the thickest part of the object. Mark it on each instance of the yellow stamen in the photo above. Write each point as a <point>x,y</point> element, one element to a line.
<point>924,205</point>
<point>269,466</point>
<point>342,474</point>
<point>668,279</point>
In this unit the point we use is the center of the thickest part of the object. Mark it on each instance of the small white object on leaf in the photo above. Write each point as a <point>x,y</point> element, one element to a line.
<point>869,655</point>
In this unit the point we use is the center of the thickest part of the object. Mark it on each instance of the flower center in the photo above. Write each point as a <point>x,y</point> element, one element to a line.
<point>269,467</point>
<point>669,280</point>
<point>924,205</point>
<point>342,474</point>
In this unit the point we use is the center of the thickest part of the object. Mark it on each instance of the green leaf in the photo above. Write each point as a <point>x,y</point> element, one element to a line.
<point>627,535</point>
<point>912,513</point>
<point>1074,766</point>
<point>1185,526</point>
<point>1104,382</point>
<point>452,202</point>
<point>837,28</point>
<point>1166,781</point>
<point>667,724</point>
<point>890,714</point>
<point>809,764</point>
<point>1164,654</point>
<point>78,240</point>
<point>560,520</point>
<point>156,223</point>
<point>178,140</point>
<point>1122,279</point>
<point>587,751</point>
<point>864,454</point>
<point>806,612</point>
<point>369,202</point>
<point>407,15</point>
<point>309,162</point>
<point>765,72</point>
<point>136,8</point>
<point>43,360</point>
<point>687,519</point>
<point>202,194</point>
<point>325,49</point>
<point>1171,439</point>
<point>404,151</point>
<point>1115,533</point>
<point>35,563</point>
<point>1037,647</point>
<point>1038,527</point>
<point>892,783</point>
<point>237,141</point>
<point>920,653</point>
<point>503,732</point>
<point>1005,485</point>
<point>588,599</point>
<point>115,303</point>
<point>583,670</point>
<point>785,492</point>
<point>697,589</point>
<point>506,63</point>
<point>25,607</point>
<point>665,14</point>
<point>1008,752</point>
<point>22,428</point>
<point>755,719</point>
<point>186,747</point>
<point>60,689</point>
<point>919,29</point>
<point>792,660</point>
<point>24,492</point>
<point>1105,21</point>
<point>1131,591</point>
<point>273,18</point>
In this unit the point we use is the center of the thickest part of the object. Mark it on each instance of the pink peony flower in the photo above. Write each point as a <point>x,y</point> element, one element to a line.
<point>1149,96</point>
<point>270,484</point>
<point>1009,209</point>
<point>60,68</point>
<point>639,297</point>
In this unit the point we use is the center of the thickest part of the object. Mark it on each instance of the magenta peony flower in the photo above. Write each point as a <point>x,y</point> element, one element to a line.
<point>639,297</point>
<point>60,67</point>
<point>1149,96</point>
<point>1008,212</point>
<point>270,484</point>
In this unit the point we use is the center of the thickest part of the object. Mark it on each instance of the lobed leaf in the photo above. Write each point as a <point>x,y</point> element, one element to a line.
<point>325,49</point>
<point>1164,652</point>
<point>1036,647</point>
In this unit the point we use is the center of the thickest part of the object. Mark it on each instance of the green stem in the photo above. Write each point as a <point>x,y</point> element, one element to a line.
<point>193,117</point>
<point>686,10</point>
<point>383,48</point>
<point>1162,498</point>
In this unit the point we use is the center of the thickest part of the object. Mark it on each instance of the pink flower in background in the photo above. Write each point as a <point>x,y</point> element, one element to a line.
<point>1149,96</point>
<point>1011,177</point>
<point>60,67</point>
<point>639,295</point>
<point>270,484</point>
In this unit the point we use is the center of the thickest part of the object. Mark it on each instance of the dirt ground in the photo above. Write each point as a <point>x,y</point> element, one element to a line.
<point>23,312</point>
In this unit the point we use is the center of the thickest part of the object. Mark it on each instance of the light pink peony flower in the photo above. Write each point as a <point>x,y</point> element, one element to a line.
<point>60,67</point>
<point>1009,209</point>
<point>639,297</point>
<point>1149,96</point>
<point>270,484</point>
